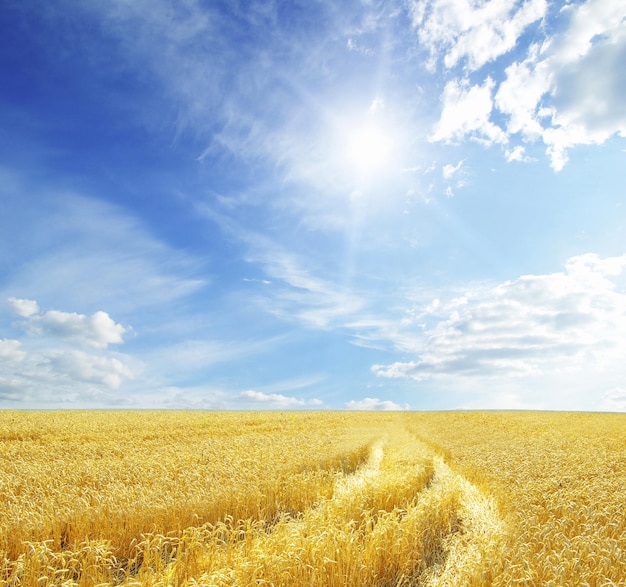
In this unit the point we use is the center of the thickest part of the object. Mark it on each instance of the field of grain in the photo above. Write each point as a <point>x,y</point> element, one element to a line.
<point>312,498</point>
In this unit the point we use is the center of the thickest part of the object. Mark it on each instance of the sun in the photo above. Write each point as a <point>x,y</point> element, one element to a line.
<point>368,149</point>
<point>366,146</point>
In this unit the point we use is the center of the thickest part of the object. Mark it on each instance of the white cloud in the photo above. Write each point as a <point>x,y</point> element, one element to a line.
<point>275,400</point>
<point>24,308</point>
<point>81,367</point>
<point>590,21</point>
<point>449,170</point>
<point>570,91</point>
<point>103,265</point>
<point>466,112</point>
<point>10,350</point>
<point>591,268</point>
<point>535,325</point>
<point>519,95</point>
<point>209,398</point>
<point>566,90</point>
<point>517,153</point>
<point>175,361</point>
<point>588,97</point>
<point>373,403</point>
<point>97,330</point>
<point>477,31</point>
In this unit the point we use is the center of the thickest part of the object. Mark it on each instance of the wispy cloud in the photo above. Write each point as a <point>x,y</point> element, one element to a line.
<point>225,72</point>
<point>184,364</point>
<point>267,93</point>
<point>292,290</point>
<point>210,397</point>
<point>319,304</point>
<point>85,253</point>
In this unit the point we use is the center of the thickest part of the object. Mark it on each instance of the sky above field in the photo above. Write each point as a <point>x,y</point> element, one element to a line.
<point>414,204</point>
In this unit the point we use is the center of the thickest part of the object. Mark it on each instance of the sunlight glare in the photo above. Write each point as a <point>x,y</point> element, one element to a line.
<point>369,150</point>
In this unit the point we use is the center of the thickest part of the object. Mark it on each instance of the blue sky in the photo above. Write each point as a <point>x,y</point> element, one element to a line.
<point>313,205</point>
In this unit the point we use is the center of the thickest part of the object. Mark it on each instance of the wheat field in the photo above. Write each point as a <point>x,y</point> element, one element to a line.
<point>312,498</point>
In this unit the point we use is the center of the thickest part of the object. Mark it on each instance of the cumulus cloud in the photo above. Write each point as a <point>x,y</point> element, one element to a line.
<point>519,95</point>
<point>275,400</point>
<point>566,89</point>
<point>532,325</point>
<point>588,95</point>
<point>373,403</point>
<point>97,331</point>
<point>570,90</point>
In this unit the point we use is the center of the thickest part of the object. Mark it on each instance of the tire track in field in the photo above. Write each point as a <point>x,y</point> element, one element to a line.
<point>459,556</point>
<point>470,533</point>
<point>467,551</point>
<point>366,472</point>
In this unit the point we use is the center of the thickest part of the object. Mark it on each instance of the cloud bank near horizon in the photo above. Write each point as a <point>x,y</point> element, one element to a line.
<point>570,320</point>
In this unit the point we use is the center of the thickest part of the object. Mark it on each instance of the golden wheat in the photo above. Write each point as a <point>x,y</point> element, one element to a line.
<point>319,499</point>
